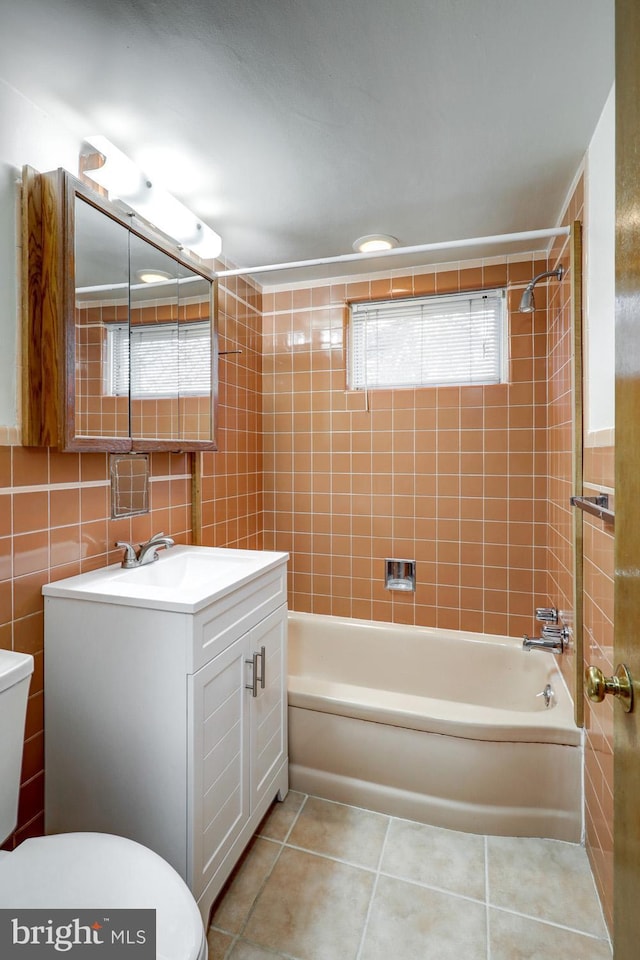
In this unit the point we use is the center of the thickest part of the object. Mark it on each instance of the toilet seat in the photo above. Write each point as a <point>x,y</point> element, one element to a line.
<point>85,870</point>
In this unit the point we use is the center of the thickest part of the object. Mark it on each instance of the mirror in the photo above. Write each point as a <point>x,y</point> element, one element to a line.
<point>101,249</point>
<point>169,347</point>
<point>120,348</point>
<point>143,337</point>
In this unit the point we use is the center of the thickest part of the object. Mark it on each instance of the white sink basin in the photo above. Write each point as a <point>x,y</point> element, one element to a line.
<point>184,579</point>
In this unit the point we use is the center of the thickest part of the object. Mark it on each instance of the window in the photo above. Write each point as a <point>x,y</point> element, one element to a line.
<point>427,341</point>
<point>165,361</point>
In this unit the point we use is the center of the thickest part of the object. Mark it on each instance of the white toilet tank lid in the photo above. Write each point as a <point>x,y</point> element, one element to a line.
<point>86,870</point>
<point>14,667</point>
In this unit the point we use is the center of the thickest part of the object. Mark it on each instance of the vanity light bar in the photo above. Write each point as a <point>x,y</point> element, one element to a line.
<point>125,181</point>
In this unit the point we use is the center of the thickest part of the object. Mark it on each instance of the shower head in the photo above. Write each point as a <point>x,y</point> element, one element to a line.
<point>527,304</point>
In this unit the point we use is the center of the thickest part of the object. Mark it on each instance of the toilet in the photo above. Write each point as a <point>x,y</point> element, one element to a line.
<point>83,870</point>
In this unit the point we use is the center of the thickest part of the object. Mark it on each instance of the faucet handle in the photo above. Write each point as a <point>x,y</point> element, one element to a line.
<point>130,555</point>
<point>547,614</point>
<point>556,633</point>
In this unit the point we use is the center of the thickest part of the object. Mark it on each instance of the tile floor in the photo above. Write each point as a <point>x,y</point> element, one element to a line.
<point>326,881</point>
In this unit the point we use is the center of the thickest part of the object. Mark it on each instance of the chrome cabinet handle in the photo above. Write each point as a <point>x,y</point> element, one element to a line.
<point>253,686</point>
<point>620,685</point>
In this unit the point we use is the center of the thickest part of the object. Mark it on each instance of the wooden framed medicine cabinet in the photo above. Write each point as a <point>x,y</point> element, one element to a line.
<point>119,332</point>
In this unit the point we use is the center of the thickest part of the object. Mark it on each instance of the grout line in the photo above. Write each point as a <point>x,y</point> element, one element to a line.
<point>373,891</point>
<point>271,869</point>
<point>334,859</point>
<point>551,923</point>
<point>80,484</point>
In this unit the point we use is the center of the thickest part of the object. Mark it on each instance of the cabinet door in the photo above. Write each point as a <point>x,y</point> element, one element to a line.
<point>269,707</point>
<point>219,755</point>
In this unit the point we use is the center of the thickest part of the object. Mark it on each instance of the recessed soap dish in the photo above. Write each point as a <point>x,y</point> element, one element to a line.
<point>400,575</point>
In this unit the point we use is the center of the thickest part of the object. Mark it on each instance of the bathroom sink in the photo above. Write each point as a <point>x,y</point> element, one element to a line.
<point>183,578</point>
<point>182,570</point>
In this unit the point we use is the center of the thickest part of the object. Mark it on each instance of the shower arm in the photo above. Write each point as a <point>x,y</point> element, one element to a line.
<point>559,272</point>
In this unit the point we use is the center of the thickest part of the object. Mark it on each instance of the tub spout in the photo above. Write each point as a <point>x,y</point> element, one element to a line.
<point>553,645</point>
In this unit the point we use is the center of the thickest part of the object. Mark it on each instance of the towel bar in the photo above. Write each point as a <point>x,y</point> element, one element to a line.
<point>596,506</point>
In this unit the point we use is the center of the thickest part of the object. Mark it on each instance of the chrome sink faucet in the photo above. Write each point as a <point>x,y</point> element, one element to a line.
<point>147,553</point>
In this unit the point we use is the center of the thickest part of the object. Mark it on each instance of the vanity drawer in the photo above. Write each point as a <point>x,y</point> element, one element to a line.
<point>234,614</point>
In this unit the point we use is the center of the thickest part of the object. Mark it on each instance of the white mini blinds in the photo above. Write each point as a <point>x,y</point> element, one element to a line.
<point>427,341</point>
<point>158,360</point>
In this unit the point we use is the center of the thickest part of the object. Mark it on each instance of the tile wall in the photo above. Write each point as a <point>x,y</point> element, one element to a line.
<point>598,650</point>
<point>454,477</point>
<point>231,479</point>
<point>560,419</point>
<point>54,517</point>
<point>598,475</point>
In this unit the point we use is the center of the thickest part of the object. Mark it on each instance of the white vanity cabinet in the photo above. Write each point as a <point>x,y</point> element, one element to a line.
<point>167,726</point>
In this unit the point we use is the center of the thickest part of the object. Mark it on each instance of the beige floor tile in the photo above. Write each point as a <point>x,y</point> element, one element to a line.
<point>219,943</point>
<point>311,908</point>
<point>517,938</point>
<point>440,858</point>
<point>545,879</point>
<point>245,884</point>
<point>337,830</point>
<point>277,822</point>
<point>408,922</point>
<point>249,951</point>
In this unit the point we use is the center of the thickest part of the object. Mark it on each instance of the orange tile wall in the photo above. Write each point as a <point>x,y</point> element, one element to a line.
<point>452,477</point>
<point>560,418</point>
<point>232,482</point>
<point>54,519</point>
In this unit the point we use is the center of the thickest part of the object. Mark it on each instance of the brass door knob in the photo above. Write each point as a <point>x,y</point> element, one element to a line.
<point>620,685</point>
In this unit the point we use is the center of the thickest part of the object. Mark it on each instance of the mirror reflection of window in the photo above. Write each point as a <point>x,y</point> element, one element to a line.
<point>169,348</point>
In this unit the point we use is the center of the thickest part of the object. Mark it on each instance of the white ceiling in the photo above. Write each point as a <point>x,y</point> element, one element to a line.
<point>295,126</point>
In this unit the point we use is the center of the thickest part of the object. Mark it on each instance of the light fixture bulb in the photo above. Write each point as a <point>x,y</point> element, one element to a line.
<point>375,241</point>
<point>125,181</point>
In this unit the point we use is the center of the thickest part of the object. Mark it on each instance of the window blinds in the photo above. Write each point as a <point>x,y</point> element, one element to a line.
<point>158,360</point>
<point>427,341</point>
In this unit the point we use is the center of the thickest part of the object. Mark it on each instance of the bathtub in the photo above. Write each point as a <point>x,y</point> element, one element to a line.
<point>433,725</point>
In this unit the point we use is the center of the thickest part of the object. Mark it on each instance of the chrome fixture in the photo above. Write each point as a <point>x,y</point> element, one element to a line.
<point>546,614</point>
<point>596,506</point>
<point>147,553</point>
<point>257,677</point>
<point>548,695</point>
<point>620,685</point>
<point>549,632</point>
<point>527,304</point>
<point>553,639</point>
<point>400,575</point>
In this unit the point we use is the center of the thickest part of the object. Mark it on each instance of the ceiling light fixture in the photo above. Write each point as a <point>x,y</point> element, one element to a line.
<point>153,276</point>
<point>375,241</point>
<point>125,181</point>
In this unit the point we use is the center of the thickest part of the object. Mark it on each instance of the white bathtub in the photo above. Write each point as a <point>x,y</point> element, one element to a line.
<point>433,725</point>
